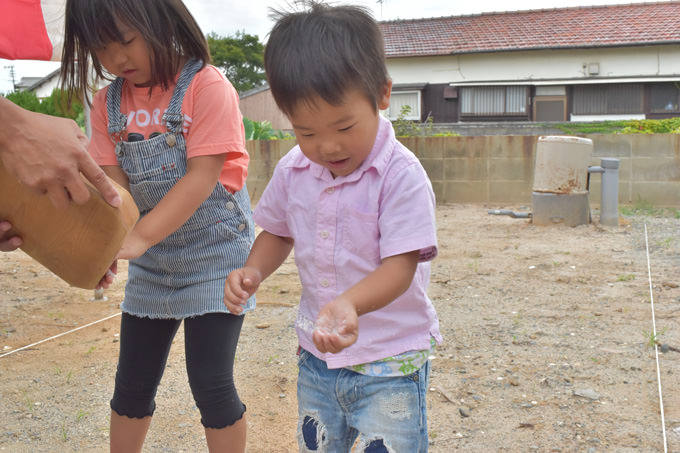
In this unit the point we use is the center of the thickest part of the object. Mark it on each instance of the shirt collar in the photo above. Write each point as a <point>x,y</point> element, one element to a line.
<point>382,148</point>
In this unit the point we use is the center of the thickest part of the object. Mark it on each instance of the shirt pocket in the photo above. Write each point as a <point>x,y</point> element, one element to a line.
<point>152,175</point>
<point>360,233</point>
<point>167,167</point>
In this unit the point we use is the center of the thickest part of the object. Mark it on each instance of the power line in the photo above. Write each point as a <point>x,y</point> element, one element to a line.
<point>12,75</point>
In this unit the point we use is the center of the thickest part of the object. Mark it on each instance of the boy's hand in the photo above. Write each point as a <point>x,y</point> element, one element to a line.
<point>337,326</point>
<point>241,284</point>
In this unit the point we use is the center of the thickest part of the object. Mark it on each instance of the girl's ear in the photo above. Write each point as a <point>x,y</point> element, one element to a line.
<point>384,99</point>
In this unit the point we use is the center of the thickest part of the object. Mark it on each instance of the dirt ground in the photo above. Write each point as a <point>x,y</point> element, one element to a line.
<point>548,346</point>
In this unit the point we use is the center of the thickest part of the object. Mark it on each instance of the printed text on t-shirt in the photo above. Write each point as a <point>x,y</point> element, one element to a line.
<point>143,118</point>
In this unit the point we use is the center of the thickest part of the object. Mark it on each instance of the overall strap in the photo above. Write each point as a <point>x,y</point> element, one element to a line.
<point>117,120</point>
<point>173,117</point>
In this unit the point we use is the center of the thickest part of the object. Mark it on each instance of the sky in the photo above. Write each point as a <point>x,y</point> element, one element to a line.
<point>226,17</point>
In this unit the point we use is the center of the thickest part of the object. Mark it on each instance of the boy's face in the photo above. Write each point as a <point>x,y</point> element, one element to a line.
<point>338,137</point>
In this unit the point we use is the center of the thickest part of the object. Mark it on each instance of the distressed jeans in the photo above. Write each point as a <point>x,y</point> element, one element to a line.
<point>387,414</point>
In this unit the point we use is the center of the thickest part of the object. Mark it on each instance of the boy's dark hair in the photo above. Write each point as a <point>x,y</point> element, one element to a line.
<point>324,51</point>
<point>168,28</point>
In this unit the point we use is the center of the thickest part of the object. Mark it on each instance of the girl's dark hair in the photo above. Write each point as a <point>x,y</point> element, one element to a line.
<point>324,51</point>
<point>168,28</point>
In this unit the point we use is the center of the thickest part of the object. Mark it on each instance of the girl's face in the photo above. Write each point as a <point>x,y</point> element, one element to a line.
<point>129,59</point>
<point>338,137</point>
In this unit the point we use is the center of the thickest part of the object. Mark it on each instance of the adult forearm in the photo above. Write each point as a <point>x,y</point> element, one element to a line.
<point>10,113</point>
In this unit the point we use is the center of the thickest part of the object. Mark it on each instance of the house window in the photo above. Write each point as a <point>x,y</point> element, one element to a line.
<point>619,98</point>
<point>401,99</point>
<point>502,100</point>
<point>664,97</point>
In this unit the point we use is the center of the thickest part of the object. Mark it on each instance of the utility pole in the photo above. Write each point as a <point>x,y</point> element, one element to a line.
<point>12,74</point>
<point>381,5</point>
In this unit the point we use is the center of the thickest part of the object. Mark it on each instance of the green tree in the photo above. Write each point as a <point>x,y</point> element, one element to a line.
<point>240,57</point>
<point>262,130</point>
<point>55,104</point>
<point>25,99</point>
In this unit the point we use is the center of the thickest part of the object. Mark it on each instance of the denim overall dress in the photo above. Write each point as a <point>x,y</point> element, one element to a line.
<point>183,275</point>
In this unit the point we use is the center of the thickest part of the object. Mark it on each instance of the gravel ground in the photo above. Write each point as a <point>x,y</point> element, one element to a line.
<point>547,346</point>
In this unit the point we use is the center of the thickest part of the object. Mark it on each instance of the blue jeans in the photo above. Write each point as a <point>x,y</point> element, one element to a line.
<point>388,414</point>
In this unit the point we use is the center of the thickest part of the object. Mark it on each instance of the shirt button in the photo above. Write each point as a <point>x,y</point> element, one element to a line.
<point>330,190</point>
<point>242,227</point>
<point>230,205</point>
<point>324,234</point>
<point>324,283</point>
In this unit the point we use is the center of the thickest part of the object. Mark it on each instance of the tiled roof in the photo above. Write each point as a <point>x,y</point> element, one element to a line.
<point>558,28</point>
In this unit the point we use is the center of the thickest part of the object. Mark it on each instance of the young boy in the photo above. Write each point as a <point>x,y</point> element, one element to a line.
<point>360,211</point>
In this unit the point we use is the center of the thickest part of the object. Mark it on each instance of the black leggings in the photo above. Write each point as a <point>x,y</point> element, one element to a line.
<point>210,346</point>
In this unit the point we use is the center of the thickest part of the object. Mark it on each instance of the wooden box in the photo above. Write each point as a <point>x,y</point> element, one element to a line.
<point>79,243</point>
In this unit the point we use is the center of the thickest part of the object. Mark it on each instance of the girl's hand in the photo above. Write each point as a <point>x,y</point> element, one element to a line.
<point>133,247</point>
<point>8,243</point>
<point>337,326</point>
<point>108,278</point>
<point>241,284</point>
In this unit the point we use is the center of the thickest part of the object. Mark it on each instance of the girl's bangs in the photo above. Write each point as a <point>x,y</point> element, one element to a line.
<point>99,31</point>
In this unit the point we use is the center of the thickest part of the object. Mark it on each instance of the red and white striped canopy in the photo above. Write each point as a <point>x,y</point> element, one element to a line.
<point>31,29</point>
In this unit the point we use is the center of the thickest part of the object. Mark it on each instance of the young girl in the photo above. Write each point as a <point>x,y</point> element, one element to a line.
<point>169,129</point>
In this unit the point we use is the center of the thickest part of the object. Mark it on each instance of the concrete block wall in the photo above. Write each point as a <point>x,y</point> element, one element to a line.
<point>498,169</point>
<point>649,167</point>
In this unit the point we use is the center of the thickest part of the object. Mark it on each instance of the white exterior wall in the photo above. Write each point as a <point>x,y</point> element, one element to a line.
<point>45,89</point>
<point>47,86</point>
<point>566,66</point>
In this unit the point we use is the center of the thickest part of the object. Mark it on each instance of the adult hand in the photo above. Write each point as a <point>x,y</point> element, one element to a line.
<point>8,243</point>
<point>48,154</point>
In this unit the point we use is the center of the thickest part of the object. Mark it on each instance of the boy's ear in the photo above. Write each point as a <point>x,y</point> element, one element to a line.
<point>384,100</point>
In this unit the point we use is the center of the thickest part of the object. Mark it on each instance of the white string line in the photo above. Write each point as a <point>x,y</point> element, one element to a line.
<point>656,348</point>
<point>59,335</point>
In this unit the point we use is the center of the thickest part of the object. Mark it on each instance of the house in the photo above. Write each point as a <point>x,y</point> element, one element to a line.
<point>258,104</point>
<point>41,86</point>
<point>563,64</point>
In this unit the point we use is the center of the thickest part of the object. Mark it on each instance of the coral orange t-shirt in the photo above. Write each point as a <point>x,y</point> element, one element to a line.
<point>212,122</point>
